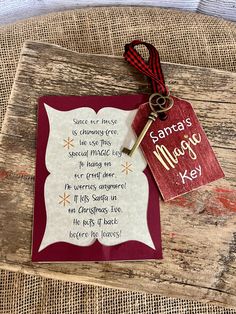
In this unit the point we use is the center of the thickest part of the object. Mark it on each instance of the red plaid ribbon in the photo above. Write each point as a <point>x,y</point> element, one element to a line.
<point>152,69</point>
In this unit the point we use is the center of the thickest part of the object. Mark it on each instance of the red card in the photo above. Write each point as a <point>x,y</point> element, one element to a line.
<point>88,204</point>
<point>177,150</point>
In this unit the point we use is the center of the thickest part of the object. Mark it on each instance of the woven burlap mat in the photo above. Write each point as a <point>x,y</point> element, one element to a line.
<point>27,294</point>
<point>180,37</point>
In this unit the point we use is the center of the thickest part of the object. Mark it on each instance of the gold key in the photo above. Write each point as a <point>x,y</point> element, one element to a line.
<point>152,117</point>
<point>156,108</point>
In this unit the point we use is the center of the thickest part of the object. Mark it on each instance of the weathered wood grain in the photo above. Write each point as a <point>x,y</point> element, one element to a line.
<point>198,229</point>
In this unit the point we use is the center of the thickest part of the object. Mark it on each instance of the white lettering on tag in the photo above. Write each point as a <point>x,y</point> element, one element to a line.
<point>193,174</point>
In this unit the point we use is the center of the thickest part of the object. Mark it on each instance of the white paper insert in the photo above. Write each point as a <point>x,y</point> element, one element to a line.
<point>93,190</point>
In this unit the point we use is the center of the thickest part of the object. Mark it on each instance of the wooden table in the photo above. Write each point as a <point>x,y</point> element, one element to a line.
<point>198,229</point>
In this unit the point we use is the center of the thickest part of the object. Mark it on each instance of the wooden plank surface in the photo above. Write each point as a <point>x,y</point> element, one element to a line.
<point>198,229</point>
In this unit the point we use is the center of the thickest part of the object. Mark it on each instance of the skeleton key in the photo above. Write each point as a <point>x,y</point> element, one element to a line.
<point>151,118</point>
<point>160,102</point>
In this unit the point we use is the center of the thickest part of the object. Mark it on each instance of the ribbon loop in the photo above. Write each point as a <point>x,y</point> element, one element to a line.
<point>152,69</point>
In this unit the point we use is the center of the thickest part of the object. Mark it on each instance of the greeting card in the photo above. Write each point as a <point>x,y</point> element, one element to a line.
<point>92,202</point>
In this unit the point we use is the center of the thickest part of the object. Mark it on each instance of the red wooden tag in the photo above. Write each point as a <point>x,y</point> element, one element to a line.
<point>177,150</point>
